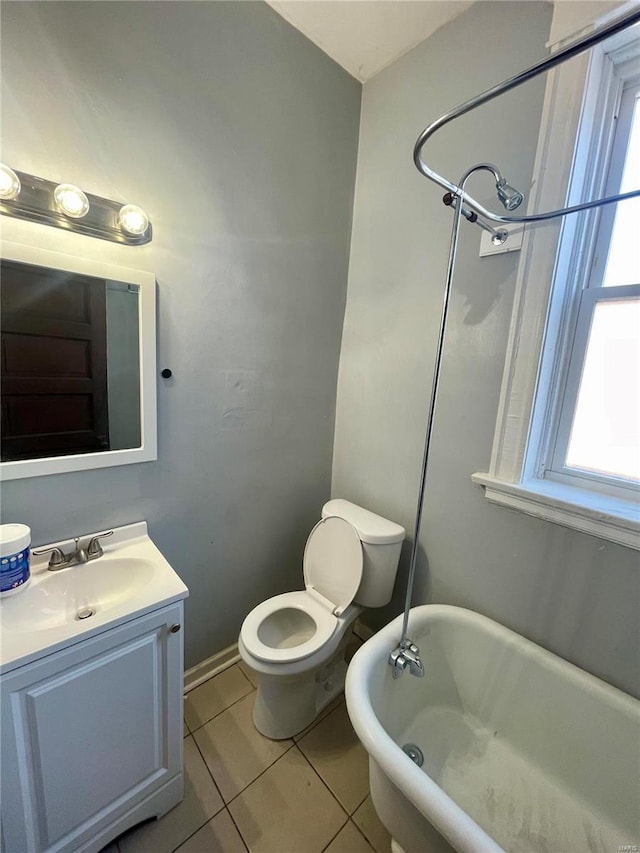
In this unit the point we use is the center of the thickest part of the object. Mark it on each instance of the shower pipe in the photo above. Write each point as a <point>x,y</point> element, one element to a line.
<point>406,654</point>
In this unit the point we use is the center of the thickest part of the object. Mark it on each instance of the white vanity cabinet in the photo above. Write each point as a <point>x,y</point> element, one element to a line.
<point>91,737</point>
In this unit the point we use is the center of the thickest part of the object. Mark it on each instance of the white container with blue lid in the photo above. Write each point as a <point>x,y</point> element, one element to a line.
<point>15,540</point>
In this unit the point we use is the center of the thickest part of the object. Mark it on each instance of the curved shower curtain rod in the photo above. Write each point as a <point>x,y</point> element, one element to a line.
<point>557,58</point>
<point>406,655</point>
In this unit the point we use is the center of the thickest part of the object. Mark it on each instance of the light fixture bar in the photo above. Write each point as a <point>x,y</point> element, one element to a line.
<point>36,202</point>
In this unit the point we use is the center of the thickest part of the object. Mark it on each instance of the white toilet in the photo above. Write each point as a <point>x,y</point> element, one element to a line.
<point>296,641</point>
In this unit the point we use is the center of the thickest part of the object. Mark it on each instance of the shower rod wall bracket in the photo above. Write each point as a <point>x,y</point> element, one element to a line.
<point>498,235</point>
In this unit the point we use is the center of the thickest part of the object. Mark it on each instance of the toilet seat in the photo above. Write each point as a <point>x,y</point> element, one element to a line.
<point>333,564</point>
<point>324,620</point>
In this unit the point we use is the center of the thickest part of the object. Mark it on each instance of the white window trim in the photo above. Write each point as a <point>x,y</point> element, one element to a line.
<point>511,480</point>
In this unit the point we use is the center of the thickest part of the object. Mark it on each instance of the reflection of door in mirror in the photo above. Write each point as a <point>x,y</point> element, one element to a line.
<point>54,363</point>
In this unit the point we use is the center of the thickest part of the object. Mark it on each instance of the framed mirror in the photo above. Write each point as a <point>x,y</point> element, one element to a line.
<point>77,375</point>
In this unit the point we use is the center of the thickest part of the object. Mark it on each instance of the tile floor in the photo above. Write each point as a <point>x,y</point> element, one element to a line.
<point>244,792</point>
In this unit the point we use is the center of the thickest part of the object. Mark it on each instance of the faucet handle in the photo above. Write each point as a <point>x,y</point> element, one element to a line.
<point>94,549</point>
<point>58,559</point>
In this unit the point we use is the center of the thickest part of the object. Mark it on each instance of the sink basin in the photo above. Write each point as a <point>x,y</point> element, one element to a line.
<point>56,608</point>
<point>69,594</point>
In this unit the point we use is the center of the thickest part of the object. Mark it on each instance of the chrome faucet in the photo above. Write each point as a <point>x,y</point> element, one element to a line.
<point>406,656</point>
<point>60,560</point>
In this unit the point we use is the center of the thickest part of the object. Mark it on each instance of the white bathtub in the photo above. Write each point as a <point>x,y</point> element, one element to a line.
<point>523,752</point>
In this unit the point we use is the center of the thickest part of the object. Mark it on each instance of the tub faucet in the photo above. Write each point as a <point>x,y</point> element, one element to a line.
<point>406,655</point>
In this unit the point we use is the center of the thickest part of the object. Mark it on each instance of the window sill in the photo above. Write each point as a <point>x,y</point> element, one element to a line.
<point>596,514</point>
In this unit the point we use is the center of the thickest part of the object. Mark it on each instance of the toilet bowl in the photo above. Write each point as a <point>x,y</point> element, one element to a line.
<point>296,641</point>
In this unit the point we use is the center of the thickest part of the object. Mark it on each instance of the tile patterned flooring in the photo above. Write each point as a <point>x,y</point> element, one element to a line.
<point>243,792</point>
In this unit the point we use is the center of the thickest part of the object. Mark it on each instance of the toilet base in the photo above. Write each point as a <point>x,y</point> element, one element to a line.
<point>286,705</point>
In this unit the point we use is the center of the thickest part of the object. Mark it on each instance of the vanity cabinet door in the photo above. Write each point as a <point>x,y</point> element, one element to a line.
<point>89,732</point>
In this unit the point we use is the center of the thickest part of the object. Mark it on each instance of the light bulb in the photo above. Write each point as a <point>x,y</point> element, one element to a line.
<point>9,183</point>
<point>71,201</point>
<point>133,220</point>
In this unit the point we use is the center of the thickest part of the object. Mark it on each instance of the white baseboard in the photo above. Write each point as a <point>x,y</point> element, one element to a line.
<point>206,669</point>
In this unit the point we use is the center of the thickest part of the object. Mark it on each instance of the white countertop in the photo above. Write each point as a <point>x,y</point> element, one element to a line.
<point>130,579</point>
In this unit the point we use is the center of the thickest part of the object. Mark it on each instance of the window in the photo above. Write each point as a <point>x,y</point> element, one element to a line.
<point>596,431</point>
<point>567,443</point>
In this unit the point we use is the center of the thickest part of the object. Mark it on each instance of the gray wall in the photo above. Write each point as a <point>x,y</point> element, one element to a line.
<point>572,593</point>
<point>239,138</point>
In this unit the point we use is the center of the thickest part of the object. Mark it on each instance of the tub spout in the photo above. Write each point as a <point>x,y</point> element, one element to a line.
<point>406,656</point>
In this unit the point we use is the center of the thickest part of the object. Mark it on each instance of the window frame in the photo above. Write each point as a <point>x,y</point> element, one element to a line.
<point>574,149</point>
<point>587,289</point>
<point>629,94</point>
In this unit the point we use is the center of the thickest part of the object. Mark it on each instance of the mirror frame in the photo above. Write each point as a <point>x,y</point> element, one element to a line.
<point>148,451</point>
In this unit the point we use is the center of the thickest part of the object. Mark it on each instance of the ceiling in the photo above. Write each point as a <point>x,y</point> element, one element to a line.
<point>364,36</point>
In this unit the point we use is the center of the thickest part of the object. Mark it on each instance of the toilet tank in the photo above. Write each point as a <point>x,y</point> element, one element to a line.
<point>381,544</point>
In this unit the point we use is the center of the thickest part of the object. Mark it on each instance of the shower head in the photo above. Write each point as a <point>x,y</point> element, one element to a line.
<point>508,195</point>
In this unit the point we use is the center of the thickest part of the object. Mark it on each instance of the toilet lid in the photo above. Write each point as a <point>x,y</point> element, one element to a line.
<point>333,561</point>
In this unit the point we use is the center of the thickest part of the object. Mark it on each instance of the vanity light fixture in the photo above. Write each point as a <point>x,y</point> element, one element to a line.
<point>9,183</point>
<point>67,206</point>
<point>71,201</point>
